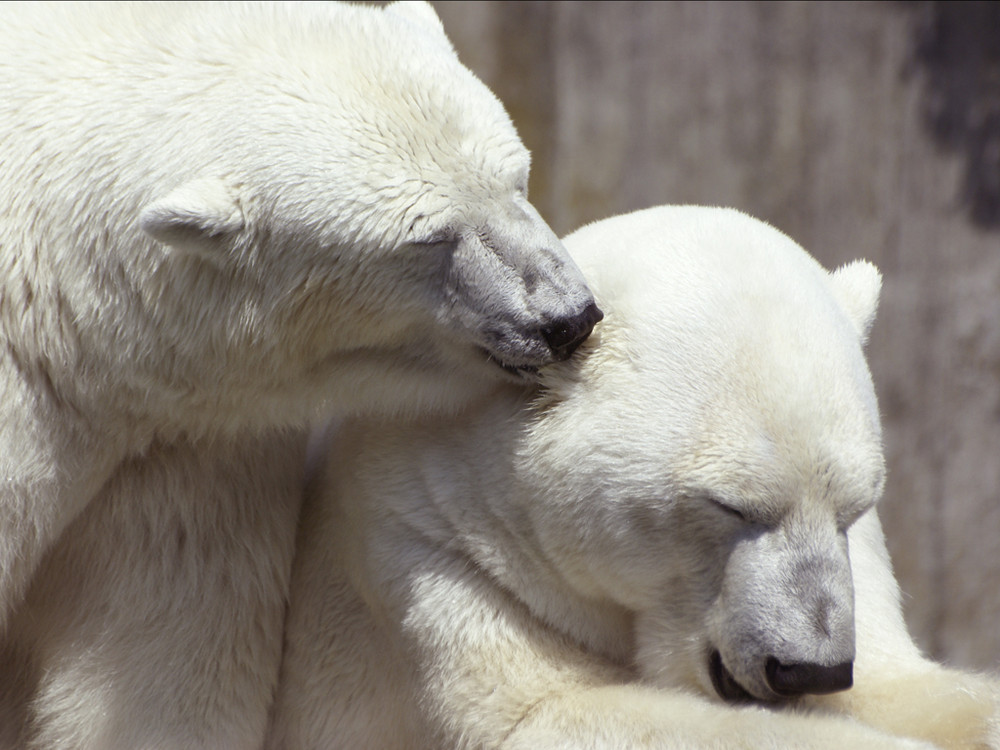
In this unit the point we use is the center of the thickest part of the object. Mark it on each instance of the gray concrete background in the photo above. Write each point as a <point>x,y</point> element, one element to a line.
<point>861,130</point>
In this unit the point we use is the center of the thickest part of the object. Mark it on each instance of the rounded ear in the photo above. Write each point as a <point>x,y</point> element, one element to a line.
<point>856,287</point>
<point>193,216</point>
<point>420,13</point>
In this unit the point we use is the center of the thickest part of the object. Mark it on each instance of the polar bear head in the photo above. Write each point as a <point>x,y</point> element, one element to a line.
<point>313,197</point>
<point>701,462</point>
<point>381,187</point>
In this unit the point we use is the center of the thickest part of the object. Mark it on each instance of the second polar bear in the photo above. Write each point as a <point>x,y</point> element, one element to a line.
<point>673,544</point>
<point>218,217</point>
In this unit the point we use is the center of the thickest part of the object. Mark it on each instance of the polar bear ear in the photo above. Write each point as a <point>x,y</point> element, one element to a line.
<point>193,216</point>
<point>419,12</point>
<point>856,287</point>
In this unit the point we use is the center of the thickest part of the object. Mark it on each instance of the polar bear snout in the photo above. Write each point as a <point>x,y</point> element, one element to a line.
<point>522,349</point>
<point>786,681</point>
<point>512,285</point>
<point>790,680</point>
<point>784,623</point>
<point>565,335</point>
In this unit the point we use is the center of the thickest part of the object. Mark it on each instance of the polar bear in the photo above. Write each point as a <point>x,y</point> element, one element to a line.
<point>218,217</point>
<point>672,544</point>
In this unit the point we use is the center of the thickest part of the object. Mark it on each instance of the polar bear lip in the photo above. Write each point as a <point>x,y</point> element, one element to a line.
<point>523,373</point>
<point>724,683</point>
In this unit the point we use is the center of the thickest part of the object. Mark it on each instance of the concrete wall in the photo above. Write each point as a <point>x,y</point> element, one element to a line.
<point>862,130</point>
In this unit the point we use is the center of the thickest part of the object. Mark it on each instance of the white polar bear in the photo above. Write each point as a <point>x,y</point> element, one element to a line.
<point>215,218</point>
<point>673,544</point>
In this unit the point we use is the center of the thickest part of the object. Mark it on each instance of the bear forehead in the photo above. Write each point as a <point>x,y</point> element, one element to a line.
<point>750,348</point>
<point>744,414</point>
<point>775,470</point>
<point>742,373</point>
<point>328,89</point>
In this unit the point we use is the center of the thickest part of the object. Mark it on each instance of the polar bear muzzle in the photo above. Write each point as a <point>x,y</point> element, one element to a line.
<point>786,680</point>
<point>564,335</point>
<point>554,342</point>
<point>512,286</point>
<point>785,616</point>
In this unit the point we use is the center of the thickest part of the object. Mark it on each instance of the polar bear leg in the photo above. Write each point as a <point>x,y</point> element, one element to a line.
<point>47,476</point>
<point>343,683</point>
<point>156,620</point>
<point>603,718</point>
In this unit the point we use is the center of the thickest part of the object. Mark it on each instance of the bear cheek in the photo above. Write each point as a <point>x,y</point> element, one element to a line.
<point>670,646</point>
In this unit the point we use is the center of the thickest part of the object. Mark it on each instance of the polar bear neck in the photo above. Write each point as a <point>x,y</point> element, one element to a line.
<point>451,484</point>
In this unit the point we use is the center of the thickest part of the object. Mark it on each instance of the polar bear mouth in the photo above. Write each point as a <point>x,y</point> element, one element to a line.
<point>523,373</point>
<point>724,683</point>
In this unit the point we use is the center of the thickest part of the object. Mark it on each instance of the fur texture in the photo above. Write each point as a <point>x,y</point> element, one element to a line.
<point>674,544</point>
<point>219,218</point>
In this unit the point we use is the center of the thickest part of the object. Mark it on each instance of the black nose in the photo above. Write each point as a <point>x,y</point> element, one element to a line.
<point>565,335</point>
<point>795,679</point>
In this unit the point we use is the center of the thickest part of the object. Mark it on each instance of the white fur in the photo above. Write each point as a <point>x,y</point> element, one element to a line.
<point>554,569</point>
<point>217,218</point>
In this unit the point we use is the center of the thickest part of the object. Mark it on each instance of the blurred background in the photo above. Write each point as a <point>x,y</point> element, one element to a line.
<point>861,130</point>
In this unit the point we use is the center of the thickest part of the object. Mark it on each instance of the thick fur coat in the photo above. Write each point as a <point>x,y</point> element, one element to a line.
<point>674,544</point>
<point>217,219</point>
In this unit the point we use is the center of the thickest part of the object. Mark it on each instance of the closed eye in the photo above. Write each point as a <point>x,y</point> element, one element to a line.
<point>429,230</point>
<point>726,508</point>
<point>434,240</point>
<point>440,237</point>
